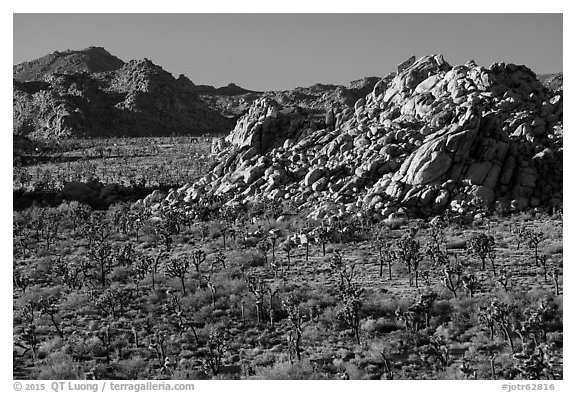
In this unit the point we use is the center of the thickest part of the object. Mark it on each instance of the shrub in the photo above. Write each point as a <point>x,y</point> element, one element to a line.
<point>247,259</point>
<point>59,365</point>
<point>284,370</point>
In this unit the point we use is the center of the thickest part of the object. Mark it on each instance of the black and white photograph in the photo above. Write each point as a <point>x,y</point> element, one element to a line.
<point>287,196</point>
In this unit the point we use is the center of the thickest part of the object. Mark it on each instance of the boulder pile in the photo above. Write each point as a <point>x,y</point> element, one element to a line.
<point>431,137</point>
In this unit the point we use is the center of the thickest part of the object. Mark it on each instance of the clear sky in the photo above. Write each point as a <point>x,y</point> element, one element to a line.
<point>282,51</point>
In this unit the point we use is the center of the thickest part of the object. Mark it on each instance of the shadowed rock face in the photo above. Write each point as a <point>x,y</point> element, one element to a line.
<point>136,99</point>
<point>430,138</point>
<point>552,81</point>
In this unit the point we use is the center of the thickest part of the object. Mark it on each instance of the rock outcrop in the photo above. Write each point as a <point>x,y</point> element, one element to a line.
<point>137,99</point>
<point>432,137</point>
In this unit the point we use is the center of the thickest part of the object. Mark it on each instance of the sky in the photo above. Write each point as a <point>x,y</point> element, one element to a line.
<point>284,51</point>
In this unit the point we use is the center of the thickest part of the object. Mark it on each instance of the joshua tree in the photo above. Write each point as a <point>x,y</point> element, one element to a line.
<point>535,362</point>
<point>77,214</point>
<point>125,255</point>
<point>470,283</point>
<point>258,288</point>
<point>338,266</point>
<point>288,246</point>
<point>142,267</point>
<point>534,239</point>
<point>297,324</point>
<point>69,273</point>
<point>51,227</point>
<point>97,229</point>
<point>198,257</point>
<point>264,246</point>
<point>542,262</point>
<point>272,290</point>
<point>154,263</point>
<point>520,231</point>
<point>492,258</point>
<point>27,339</point>
<point>385,254</point>
<point>436,229</point>
<point>412,317</point>
<point>120,219</point>
<point>178,268</point>
<point>101,254</point>
<point>387,366</point>
<point>49,306</point>
<point>452,279</point>
<point>504,279</point>
<point>205,283</point>
<point>323,235</point>
<point>165,236</point>
<point>217,345</point>
<point>156,343</point>
<point>485,318</point>
<point>436,352</point>
<point>408,252</point>
<point>112,301</point>
<point>273,239</point>
<point>304,240</point>
<point>219,259</point>
<point>535,322</point>
<point>350,314</point>
<point>137,218</point>
<point>174,308</point>
<point>481,246</point>
<point>501,314</point>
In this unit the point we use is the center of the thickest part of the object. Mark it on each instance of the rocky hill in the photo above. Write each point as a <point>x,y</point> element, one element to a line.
<point>432,137</point>
<point>88,93</point>
<point>91,60</point>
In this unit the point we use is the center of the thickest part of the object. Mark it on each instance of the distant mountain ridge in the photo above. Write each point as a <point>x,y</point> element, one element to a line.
<point>231,89</point>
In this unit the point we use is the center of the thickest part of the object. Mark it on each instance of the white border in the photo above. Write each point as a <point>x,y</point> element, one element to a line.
<point>300,6</point>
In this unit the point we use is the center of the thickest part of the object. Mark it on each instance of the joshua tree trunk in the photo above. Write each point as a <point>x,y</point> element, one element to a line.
<point>493,266</point>
<point>60,333</point>
<point>183,286</point>
<point>508,335</point>
<point>298,350</point>
<point>492,368</point>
